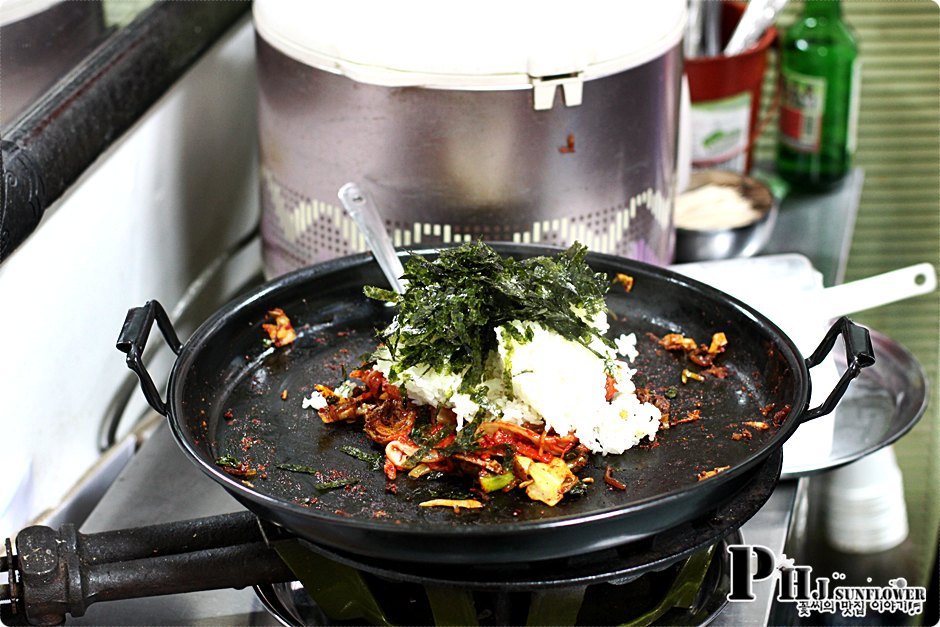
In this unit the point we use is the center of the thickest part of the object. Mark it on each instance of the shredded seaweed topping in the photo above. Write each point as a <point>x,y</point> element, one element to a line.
<point>322,486</point>
<point>452,304</point>
<point>307,470</point>
<point>426,444</point>
<point>374,460</point>
<point>326,486</point>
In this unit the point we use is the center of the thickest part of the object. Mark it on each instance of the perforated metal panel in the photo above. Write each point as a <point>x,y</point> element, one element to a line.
<point>299,230</point>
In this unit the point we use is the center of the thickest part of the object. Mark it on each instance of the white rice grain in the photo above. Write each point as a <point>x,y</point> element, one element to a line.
<point>554,381</point>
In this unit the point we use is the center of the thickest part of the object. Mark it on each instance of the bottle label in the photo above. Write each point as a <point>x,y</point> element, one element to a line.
<point>721,131</point>
<point>803,101</point>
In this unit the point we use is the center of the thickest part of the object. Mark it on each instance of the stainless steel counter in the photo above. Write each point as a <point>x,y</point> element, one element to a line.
<point>820,226</point>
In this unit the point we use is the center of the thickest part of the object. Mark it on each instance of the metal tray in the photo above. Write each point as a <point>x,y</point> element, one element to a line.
<point>883,404</point>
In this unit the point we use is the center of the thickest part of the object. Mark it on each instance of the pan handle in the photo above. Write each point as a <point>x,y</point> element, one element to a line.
<point>133,339</point>
<point>859,353</point>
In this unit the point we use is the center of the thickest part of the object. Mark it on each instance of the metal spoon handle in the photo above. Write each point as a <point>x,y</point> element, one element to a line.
<point>758,17</point>
<point>360,208</point>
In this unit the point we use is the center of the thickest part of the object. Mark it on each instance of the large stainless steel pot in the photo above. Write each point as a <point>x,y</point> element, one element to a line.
<point>456,141</point>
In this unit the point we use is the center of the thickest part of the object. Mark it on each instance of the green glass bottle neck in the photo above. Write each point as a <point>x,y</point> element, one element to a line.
<point>830,9</point>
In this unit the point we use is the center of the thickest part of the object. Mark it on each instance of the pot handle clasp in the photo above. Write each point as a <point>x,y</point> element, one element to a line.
<point>133,339</point>
<point>859,353</point>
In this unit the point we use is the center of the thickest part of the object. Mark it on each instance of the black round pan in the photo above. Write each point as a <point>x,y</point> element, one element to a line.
<point>230,395</point>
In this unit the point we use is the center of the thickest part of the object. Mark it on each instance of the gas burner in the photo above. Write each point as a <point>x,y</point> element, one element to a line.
<point>690,591</point>
<point>55,573</point>
<point>617,565</point>
<point>678,576</point>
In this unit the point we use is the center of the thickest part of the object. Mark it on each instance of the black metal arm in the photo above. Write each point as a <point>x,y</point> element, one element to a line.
<point>53,574</point>
<point>51,145</point>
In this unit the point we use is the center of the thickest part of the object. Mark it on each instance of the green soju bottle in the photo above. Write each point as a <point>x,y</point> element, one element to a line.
<point>819,98</point>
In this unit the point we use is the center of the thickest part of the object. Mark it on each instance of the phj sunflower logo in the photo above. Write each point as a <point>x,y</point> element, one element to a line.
<point>796,584</point>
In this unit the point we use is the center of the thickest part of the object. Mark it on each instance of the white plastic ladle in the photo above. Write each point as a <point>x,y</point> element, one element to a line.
<point>875,291</point>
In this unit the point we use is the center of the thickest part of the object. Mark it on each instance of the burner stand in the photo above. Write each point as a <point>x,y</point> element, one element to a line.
<point>687,561</point>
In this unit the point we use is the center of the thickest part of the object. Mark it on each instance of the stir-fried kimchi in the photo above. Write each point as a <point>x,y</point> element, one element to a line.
<point>419,440</point>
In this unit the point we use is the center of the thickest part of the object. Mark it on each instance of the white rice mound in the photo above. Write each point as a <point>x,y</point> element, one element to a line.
<point>554,380</point>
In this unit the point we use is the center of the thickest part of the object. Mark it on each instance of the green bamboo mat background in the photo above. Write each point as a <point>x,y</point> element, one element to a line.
<point>899,215</point>
<point>120,13</point>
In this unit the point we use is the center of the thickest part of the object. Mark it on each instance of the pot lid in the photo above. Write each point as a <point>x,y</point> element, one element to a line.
<point>484,45</point>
